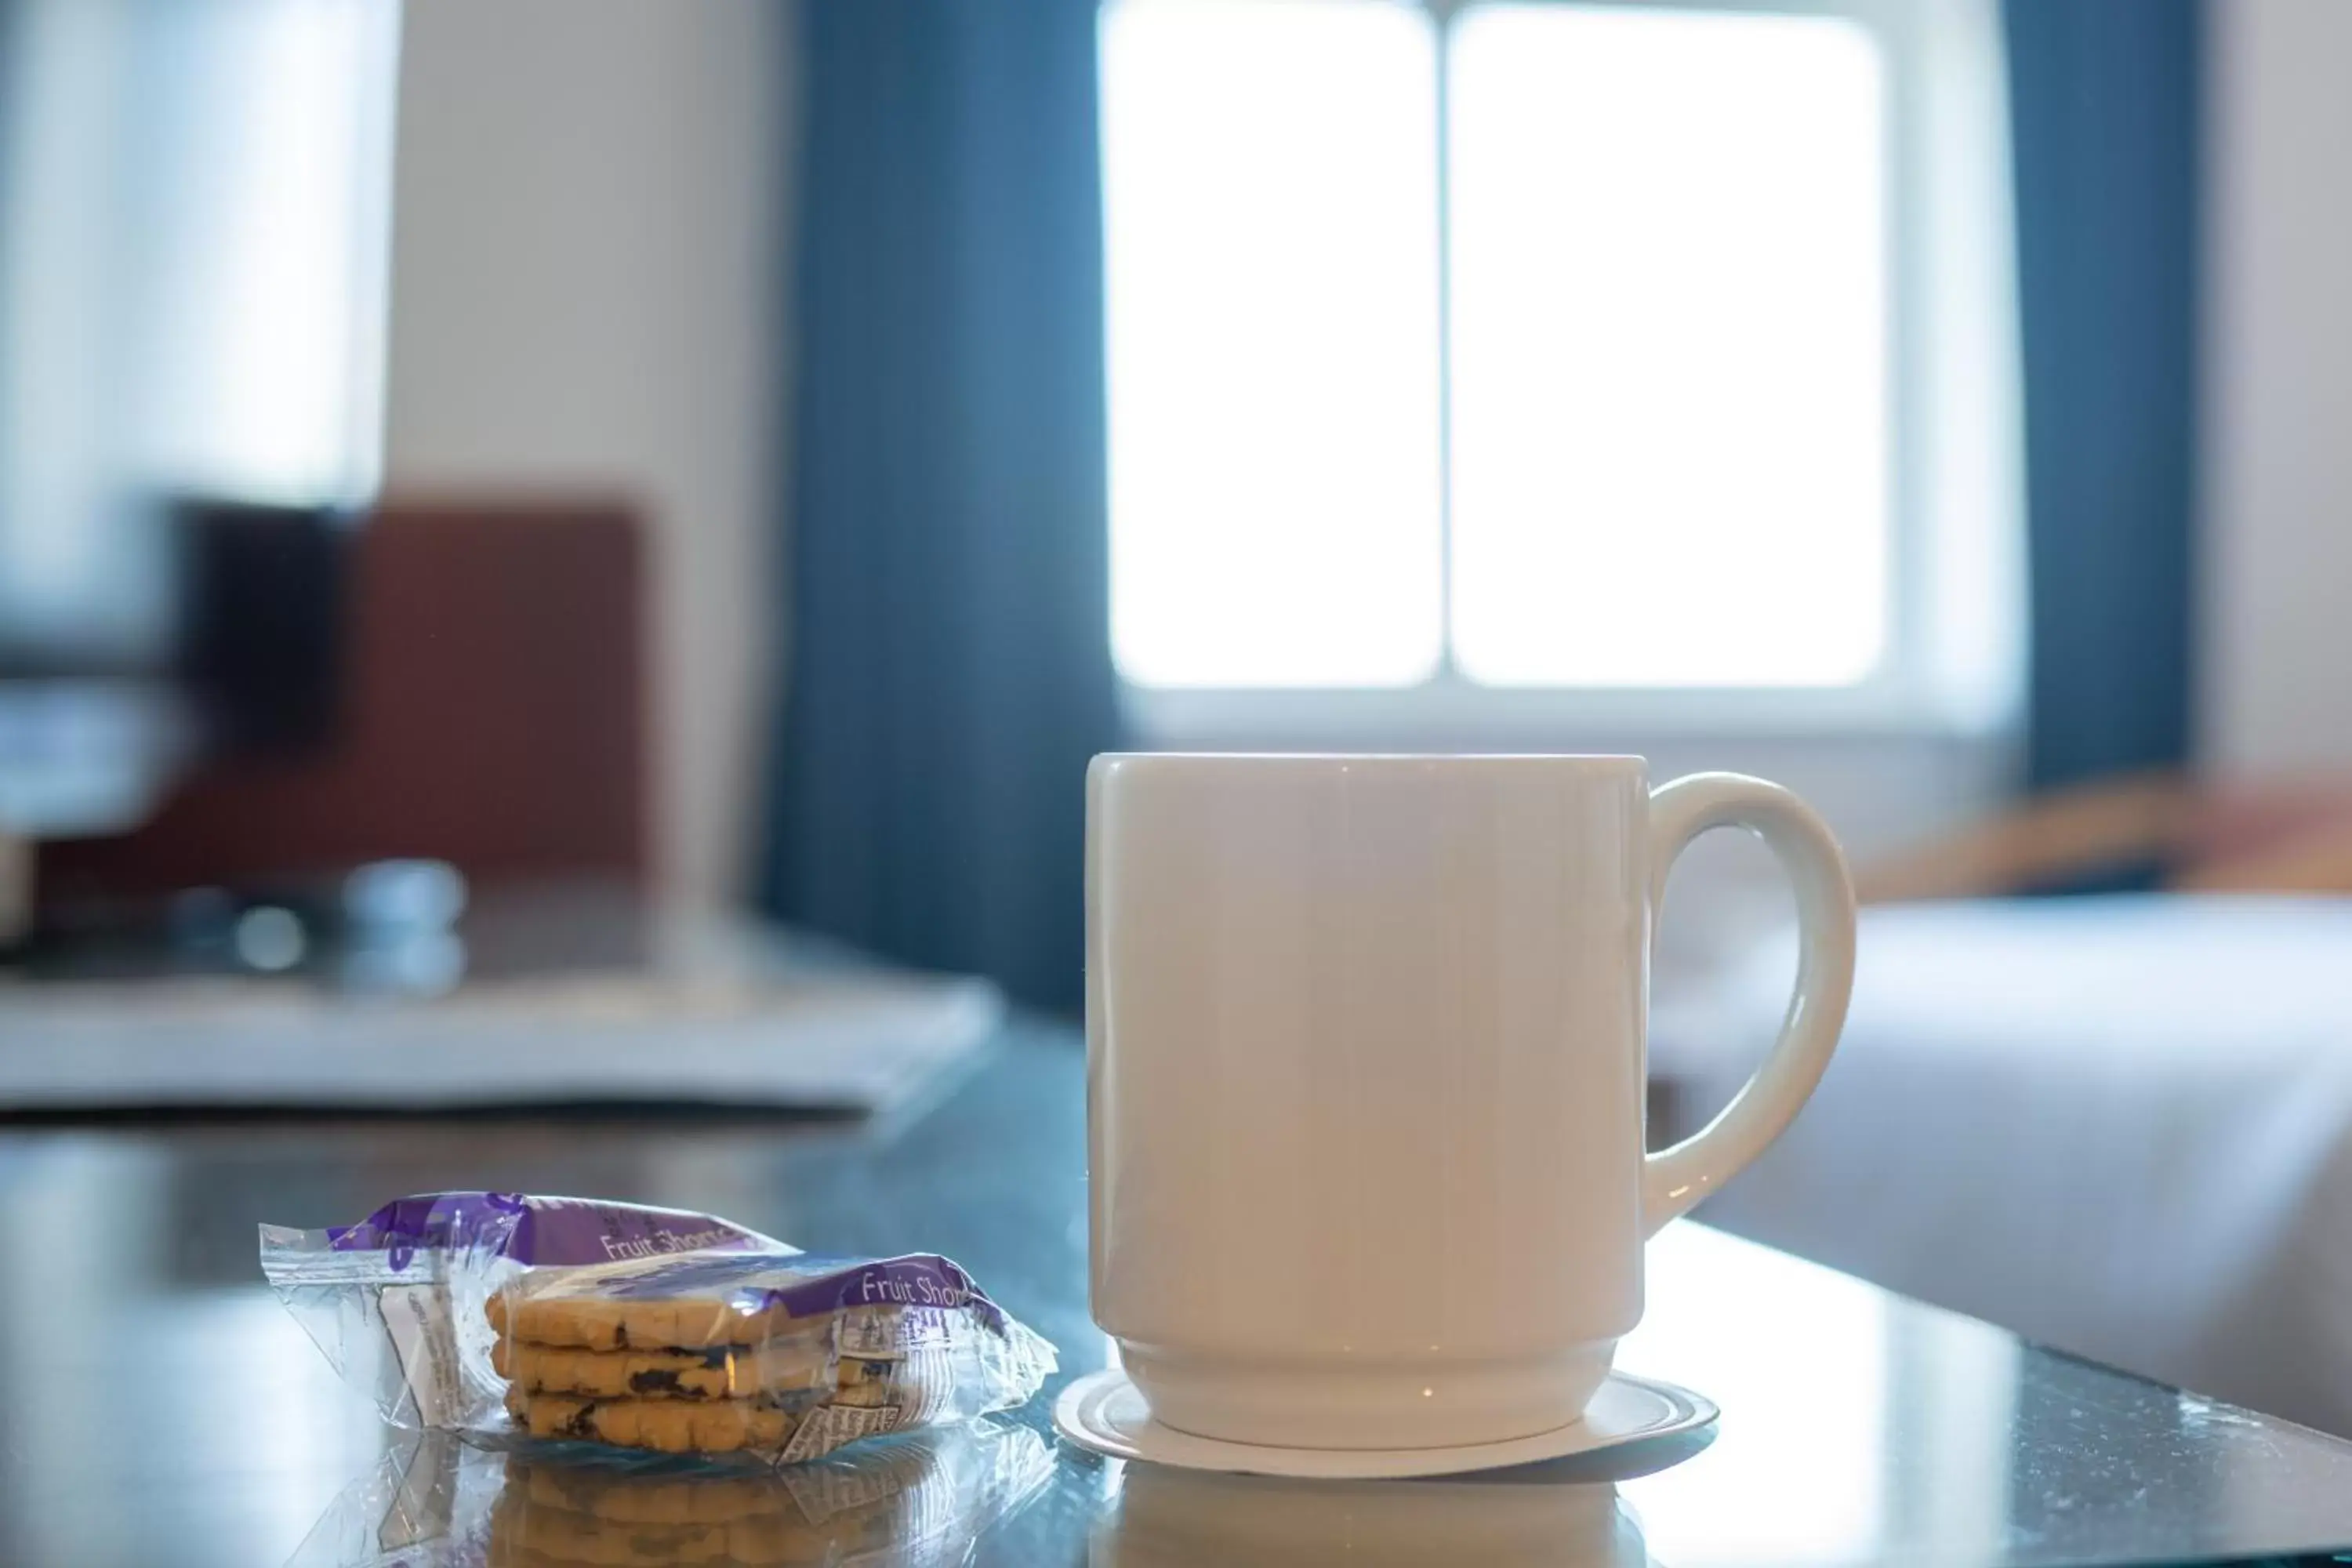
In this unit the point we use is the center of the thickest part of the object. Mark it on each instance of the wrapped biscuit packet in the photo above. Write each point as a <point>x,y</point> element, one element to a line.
<point>503,1317</point>
<point>785,1354</point>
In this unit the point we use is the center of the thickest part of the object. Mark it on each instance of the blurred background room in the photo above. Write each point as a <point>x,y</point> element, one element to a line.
<point>508,506</point>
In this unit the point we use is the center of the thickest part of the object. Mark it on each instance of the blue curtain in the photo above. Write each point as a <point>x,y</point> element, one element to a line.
<point>2106,125</point>
<point>948,669</point>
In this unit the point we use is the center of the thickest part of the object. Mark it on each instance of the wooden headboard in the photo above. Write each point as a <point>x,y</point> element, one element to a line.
<point>493,713</point>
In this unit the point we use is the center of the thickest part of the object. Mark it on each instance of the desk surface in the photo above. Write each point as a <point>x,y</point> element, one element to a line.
<point>156,1404</point>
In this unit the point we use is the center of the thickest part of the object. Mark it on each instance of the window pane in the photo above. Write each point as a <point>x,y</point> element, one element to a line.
<point>1269,180</point>
<point>1669,296</point>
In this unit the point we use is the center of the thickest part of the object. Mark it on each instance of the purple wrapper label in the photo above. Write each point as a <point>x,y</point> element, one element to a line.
<point>809,1284</point>
<point>917,1280</point>
<point>538,1230</point>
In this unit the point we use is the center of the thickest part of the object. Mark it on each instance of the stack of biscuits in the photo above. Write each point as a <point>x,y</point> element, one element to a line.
<point>683,1375</point>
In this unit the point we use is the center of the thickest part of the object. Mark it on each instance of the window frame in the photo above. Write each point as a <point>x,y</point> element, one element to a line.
<point>1945,165</point>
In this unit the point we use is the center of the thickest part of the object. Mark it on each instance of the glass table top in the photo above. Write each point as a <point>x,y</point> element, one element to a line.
<point>157,1405</point>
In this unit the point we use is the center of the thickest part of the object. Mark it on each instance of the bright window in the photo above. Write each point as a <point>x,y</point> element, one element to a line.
<point>1270,203</point>
<point>1464,349</point>
<point>1669,380</point>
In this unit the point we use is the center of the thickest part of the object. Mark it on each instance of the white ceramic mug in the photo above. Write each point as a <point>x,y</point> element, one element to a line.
<point>1365,1042</point>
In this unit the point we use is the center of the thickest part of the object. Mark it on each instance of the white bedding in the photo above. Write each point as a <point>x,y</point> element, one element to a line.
<point>2121,1126</point>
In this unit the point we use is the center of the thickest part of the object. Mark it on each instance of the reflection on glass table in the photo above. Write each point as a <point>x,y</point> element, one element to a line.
<point>1164,1518</point>
<point>1862,1427</point>
<point>913,1502</point>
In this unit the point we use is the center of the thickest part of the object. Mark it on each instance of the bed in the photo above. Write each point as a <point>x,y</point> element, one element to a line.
<point>2119,1125</point>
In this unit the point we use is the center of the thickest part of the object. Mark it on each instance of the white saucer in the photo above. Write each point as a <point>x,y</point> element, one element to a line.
<point>1106,1412</point>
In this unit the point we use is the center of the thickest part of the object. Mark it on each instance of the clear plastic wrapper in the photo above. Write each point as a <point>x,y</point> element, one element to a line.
<point>914,1501</point>
<point>508,1318</point>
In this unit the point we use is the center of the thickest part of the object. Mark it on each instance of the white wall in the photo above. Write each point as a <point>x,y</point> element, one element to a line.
<point>587,294</point>
<point>2277,687</point>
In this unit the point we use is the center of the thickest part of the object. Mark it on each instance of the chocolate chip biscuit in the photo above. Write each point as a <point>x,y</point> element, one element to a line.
<point>592,1324</point>
<point>582,1319</point>
<point>664,1425</point>
<point>720,1371</point>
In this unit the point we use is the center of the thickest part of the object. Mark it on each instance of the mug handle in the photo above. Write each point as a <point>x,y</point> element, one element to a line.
<point>1677,1178</point>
